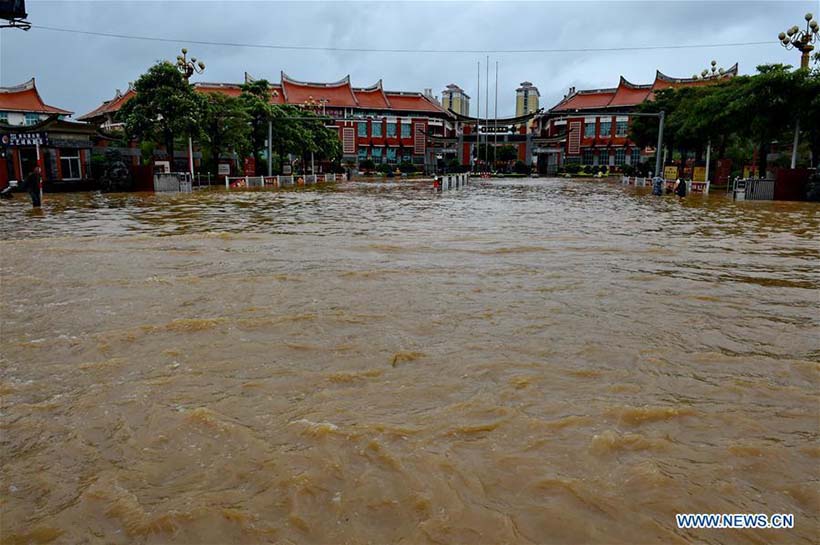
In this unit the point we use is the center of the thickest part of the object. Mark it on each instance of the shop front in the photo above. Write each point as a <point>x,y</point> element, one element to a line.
<point>62,150</point>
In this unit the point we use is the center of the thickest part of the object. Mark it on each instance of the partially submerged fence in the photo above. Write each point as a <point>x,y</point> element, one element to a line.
<point>691,186</point>
<point>172,182</point>
<point>752,189</point>
<point>249,182</point>
<point>452,181</point>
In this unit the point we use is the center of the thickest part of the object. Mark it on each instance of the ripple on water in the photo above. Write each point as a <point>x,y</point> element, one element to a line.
<point>523,361</point>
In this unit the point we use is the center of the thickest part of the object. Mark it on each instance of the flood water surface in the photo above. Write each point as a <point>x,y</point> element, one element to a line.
<point>538,361</point>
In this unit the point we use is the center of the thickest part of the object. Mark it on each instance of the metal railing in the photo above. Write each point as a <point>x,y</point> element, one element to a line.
<point>173,182</point>
<point>203,180</point>
<point>452,181</point>
<point>245,182</point>
<point>691,186</point>
<point>752,189</point>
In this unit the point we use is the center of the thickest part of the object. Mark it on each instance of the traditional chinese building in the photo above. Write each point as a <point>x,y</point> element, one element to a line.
<point>372,123</point>
<point>591,127</point>
<point>34,133</point>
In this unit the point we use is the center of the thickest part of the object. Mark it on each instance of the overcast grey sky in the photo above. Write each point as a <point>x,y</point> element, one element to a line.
<point>77,72</point>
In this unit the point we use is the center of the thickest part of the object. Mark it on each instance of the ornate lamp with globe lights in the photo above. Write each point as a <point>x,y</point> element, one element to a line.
<point>710,73</point>
<point>802,40</point>
<point>189,67</point>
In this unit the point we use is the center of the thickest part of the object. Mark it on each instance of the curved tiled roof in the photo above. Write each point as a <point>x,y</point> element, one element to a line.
<point>372,97</point>
<point>25,98</point>
<point>661,78</point>
<point>413,102</point>
<point>594,98</point>
<point>109,106</point>
<point>337,94</point>
<point>629,94</point>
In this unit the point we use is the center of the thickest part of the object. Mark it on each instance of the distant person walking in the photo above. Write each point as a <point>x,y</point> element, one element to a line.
<point>33,184</point>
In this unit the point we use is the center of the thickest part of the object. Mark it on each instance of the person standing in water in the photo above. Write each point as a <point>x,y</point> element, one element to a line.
<point>680,188</point>
<point>32,184</point>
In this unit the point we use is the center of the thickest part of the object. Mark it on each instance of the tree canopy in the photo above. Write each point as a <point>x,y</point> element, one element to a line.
<point>165,106</point>
<point>758,109</point>
<point>225,126</point>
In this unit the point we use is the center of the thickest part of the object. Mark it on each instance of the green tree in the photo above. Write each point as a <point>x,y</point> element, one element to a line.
<point>225,127</point>
<point>165,107</point>
<point>767,108</point>
<point>809,109</point>
<point>255,101</point>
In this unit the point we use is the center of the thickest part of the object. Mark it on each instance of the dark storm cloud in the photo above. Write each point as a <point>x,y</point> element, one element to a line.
<point>79,71</point>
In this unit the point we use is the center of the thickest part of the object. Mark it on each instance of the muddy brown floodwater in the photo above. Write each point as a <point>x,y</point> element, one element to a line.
<point>540,361</point>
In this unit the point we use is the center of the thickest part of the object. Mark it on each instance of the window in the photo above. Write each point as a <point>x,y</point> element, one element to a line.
<point>32,119</point>
<point>376,129</point>
<point>620,156</point>
<point>362,154</point>
<point>621,128</point>
<point>391,155</point>
<point>603,157</point>
<point>525,101</point>
<point>377,154</point>
<point>606,129</point>
<point>405,130</point>
<point>391,130</point>
<point>4,117</point>
<point>362,128</point>
<point>636,156</point>
<point>70,164</point>
<point>407,159</point>
<point>589,129</point>
<point>588,157</point>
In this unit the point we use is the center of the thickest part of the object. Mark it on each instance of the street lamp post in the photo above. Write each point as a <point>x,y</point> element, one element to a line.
<point>803,41</point>
<point>314,105</point>
<point>712,72</point>
<point>188,68</point>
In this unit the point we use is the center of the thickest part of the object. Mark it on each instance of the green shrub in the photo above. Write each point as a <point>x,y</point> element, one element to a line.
<point>521,167</point>
<point>367,164</point>
<point>407,168</point>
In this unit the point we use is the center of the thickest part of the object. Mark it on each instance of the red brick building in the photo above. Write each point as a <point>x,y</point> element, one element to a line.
<point>591,127</point>
<point>372,123</point>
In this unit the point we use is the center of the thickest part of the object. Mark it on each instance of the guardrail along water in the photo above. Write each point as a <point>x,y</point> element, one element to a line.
<point>520,362</point>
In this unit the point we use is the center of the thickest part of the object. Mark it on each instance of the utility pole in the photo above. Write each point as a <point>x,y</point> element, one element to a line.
<point>495,121</point>
<point>270,147</point>
<point>487,112</point>
<point>658,150</point>
<point>708,156</point>
<point>478,116</point>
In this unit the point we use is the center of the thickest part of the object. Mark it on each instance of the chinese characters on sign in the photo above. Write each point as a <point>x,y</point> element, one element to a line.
<point>14,139</point>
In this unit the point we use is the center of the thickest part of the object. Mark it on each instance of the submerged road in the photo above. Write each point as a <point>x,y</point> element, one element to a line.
<point>521,361</point>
